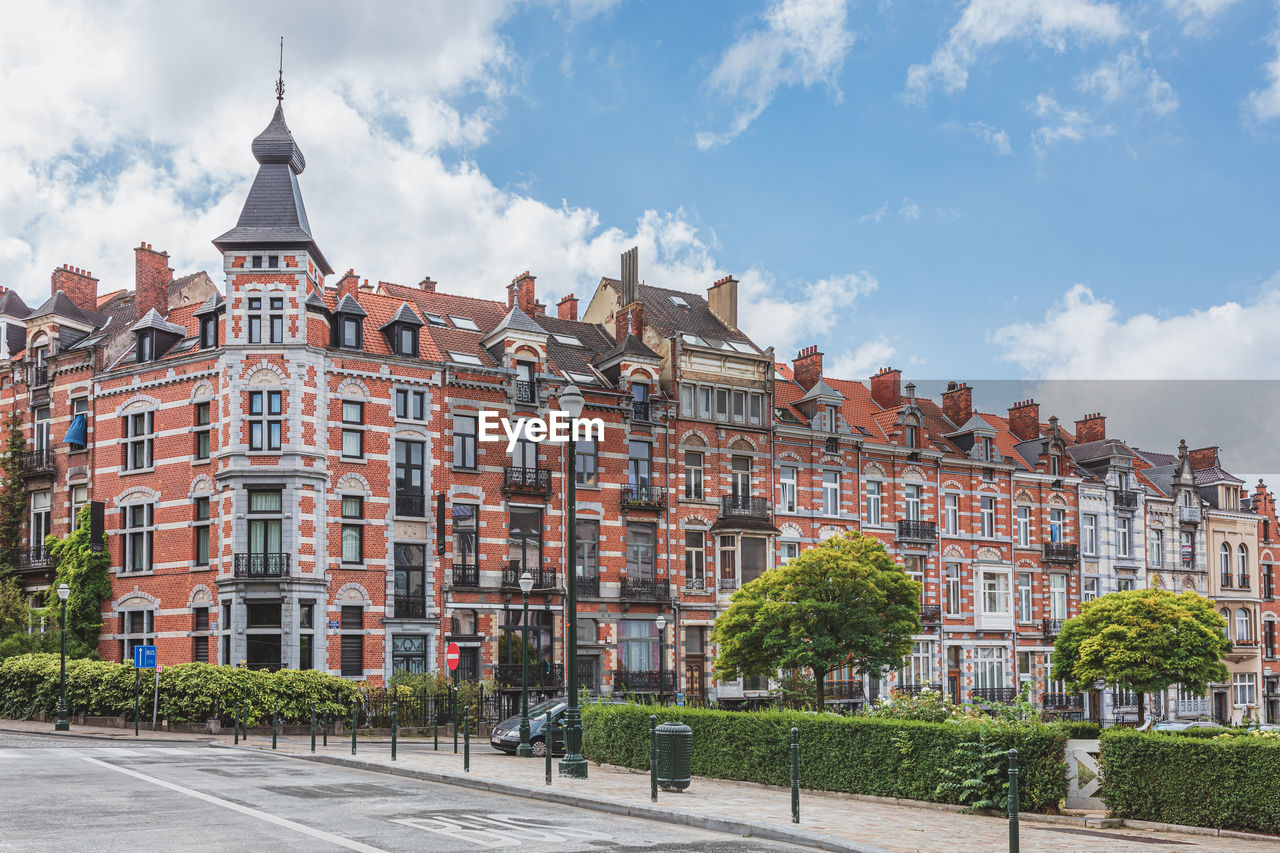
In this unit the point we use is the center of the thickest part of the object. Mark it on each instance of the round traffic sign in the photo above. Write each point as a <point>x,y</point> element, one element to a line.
<point>452,656</point>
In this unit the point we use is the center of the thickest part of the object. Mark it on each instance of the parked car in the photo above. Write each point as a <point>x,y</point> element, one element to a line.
<point>506,735</point>
<point>1183,725</point>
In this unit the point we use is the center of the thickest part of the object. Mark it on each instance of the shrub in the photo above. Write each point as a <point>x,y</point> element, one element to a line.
<point>861,755</point>
<point>1229,783</point>
<point>1081,730</point>
<point>927,705</point>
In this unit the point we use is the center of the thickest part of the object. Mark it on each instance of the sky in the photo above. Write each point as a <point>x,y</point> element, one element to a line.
<point>978,189</point>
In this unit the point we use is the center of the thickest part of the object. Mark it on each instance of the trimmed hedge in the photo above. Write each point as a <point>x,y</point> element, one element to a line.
<point>1081,730</point>
<point>189,692</point>
<point>861,755</point>
<point>1232,783</point>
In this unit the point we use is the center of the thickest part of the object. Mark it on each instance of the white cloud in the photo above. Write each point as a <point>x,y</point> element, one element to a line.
<point>1195,14</point>
<point>1061,125</point>
<point>790,317</point>
<point>990,134</point>
<point>987,23</point>
<point>1085,337</point>
<point>1128,77</point>
<point>869,357</point>
<point>1263,104</point>
<point>876,215</point>
<point>803,42</point>
<point>909,210</point>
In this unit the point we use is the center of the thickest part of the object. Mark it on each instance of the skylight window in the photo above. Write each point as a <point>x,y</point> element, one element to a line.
<point>435,320</point>
<point>740,347</point>
<point>693,339</point>
<point>465,323</point>
<point>680,300</point>
<point>465,358</point>
<point>580,377</point>
<point>568,340</point>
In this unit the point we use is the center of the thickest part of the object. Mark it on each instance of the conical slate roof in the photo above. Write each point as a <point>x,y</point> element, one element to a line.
<point>276,144</point>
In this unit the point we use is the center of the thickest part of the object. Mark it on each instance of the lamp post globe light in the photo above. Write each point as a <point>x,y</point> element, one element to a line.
<point>526,585</point>
<point>662,656</point>
<point>64,592</point>
<point>573,764</point>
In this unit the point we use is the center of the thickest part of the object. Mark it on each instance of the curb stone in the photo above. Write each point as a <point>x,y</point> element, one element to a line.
<point>766,831</point>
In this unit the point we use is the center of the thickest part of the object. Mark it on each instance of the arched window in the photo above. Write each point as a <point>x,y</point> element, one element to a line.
<point>1225,613</point>
<point>911,432</point>
<point>1243,632</point>
<point>1224,561</point>
<point>1242,566</point>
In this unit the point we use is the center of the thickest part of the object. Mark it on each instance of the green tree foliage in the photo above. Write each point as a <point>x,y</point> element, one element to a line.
<point>86,573</point>
<point>842,603</point>
<point>13,497</point>
<point>1144,640</point>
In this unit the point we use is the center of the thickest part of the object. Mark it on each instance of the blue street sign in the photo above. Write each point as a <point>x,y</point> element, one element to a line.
<point>144,657</point>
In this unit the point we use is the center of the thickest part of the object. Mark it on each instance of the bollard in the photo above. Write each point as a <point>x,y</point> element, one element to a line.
<point>795,775</point>
<point>435,727</point>
<point>235,723</point>
<point>137,680</point>
<point>466,741</point>
<point>324,725</point>
<point>275,723</point>
<point>1013,801</point>
<point>653,758</point>
<point>394,729</point>
<point>453,704</point>
<point>353,727</point>
<point>549,740</point>
<point>313,726</point>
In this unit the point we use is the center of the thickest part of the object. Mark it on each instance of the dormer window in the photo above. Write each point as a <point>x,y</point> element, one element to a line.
<point>910,433</point>
<point>526,389</point>
<point>833,421</point>
<point>1055,463</point>
<point>350,332</point>
<point>406,341</point>
<point>401,331</point>
<point>986,448</point>
<point>146,346</point>
<point>209,332</point>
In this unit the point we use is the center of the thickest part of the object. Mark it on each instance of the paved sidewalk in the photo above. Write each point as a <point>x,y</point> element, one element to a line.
<point>847,823</point>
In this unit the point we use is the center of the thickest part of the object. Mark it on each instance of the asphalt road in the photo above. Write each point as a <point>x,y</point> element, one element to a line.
<point>63,795</point>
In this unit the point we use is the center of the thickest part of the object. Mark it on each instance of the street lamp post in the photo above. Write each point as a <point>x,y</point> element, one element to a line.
<point>662,655</point>
<point>573,764</point>
<point>526,584</point>
<point>64,592</point>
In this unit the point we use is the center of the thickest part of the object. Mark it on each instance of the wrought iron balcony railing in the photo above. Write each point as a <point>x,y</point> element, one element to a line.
<point>1189,514</point>
<point>930,614</point>
<point>543,576</point>
<point>744,506</point>
<point>647,496</point>
<point>727,583</point>
<point>541,674</point>
<point>36,461</point>
<point>466,575</point>
<point>525,391</point>
<point>912,688</point>
<point>262,565</point>
<point>411,504</point>
<point>32,558</point>
<point>1052,627</point>
<point>917,531</point>
<point>645,589</point>
<point>589,585</point>
<point>851,691</point>
<point>1061,552</point>
<point>1126,499</point>
<point>640,410</point>
<point>532,480</point>
<point>410,607</point>
<point>39,376</point>
<point>695,584</point>
<point>993,694</point>
<point>643,681</point>
<point>1063,702</point>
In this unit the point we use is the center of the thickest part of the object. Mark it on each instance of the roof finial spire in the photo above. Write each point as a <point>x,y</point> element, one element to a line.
<point>280,78</point>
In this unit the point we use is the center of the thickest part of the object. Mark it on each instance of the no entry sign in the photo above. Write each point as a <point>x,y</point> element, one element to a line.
<point>452,656</point>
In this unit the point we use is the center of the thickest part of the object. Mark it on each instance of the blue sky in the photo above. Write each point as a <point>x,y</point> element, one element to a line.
<point>990,188</point>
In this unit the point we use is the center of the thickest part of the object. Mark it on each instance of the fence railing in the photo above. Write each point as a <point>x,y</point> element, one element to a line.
<point>464,575</point>
<point>544,577</point>
<point>410,607</point>
<point>993,694</point>
<point>411,505</point>
<point>541,674</point>
<point>262,565</point>
<point>645,589</point>
<point>517,478</point>
<point>35,461</point>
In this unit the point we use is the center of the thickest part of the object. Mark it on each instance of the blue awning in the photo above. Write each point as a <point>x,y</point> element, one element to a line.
<point>78,432</point>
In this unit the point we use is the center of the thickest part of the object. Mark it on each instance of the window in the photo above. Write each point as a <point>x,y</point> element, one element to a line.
<point>995,593</point>
<point>1269,638</point>
<point>408,653</point>
<point>588,548</point>
<point>728,561</point>
<point>954,603</point>
<point>350,331</point>
<point>1024,525</point>
<point>526,387</point>
<point>1089,533</point>
<point>788,552</point>
<point>988,516</point>
<point>912,501</point>
<point>1155,546</point>
<point>919,668</point>
<point>138,627</point>
<point>704,401</point>
<point>740,476</point>
<point>79,497</point>
<point>41,518</point>
<point>1057,596</point>
<point>139,521</point>
<point>874,489</point>
<point>693,475</point>
<point>688,400</point>
<point>1242,566</point>
<point>352,643</point>
<point>200,524</point>
<point>410,497</point>
<point>276,319</point>
<point>831,492</point>
<point>265,423</point>
<point>202,422</point>
<point>695,557</point>
<point>139,441</point>
<point>755,409</point>
<point>739,406</point>
<point>1090,590</point>
<point>524,543</point>
<point>1224,560</point>
<point>832,417</point>
<point>640,401</point>
<point>411,405</point>
<point>465,323</point>
<point>209,331</point>
<point>640,551</point>
<point>404,340</point>
<point>1056,521</point>
<point>146,346</point>
<point>410,579</point>
<point>914,566</point>
<point>1187,545</point>
<point>1124,584</point>
<point>352,529</point>
<point>951,513</point>
<point>464,441</point>
<point>988,670</point>
<point>722,404</point>
<point>465,533</point>
<point>1024,597</point>
<point>273,319</point>
<point>1245,687</point>
<point>200,642</point>
<point>1244,628</point>
<point>910,433</point>
<point>637,645</point>
<point>585,468</point>
<point>639,469</point>
<point>352,439</point>
<point>1124,536</point>
<point>754,552</point>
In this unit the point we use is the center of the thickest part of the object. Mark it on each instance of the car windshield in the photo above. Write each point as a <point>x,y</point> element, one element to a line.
<point>555,706</point>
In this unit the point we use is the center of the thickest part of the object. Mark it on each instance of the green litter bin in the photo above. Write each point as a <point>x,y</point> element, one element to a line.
<point>675,756</point>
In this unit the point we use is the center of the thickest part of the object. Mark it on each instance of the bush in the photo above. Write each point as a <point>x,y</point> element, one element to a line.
<point>1081,730</point>
<point>189,692</point>
<point>861,755</point>
<point>927,705</point>
<point>1226,783</point>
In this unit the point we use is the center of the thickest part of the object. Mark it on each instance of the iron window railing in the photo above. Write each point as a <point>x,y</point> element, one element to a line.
<point>643,681</point>
<point>39,377</point>
<point>34,461</point>
<point>849,691</point>
<point>643,496</point>
<point>1052,627</point>
<point>33,558</point>
<point>411,504</point>
<point>911,688</point>
<point>645,589</point>
<point>930,614</point>
<point>698,584</point>
<point>589,585</point>
<point>744,506</point>
<point>1063,702</point>
<point>262,565</point>
<point>410,607</point>
<point>525,391</point>
<point>543,577</point>
<point>518,478</point>
<point>917,531</point>
<point>727,583</point>
<point>993,694</point>
<point>1189,514</point>
<point>1061,552</point>
<point>1126,499</point>
<point>640,410</point>
<point>466,575</point>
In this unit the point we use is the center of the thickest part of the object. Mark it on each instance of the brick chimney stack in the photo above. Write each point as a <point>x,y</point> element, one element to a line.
<point>886,387</point>
<point>1024,420</point>
<point>957,403</point>
<point>807,367</point>
<point>427,284</point>
<point>722,299</point>
<point>521,293</point>
<point>1204,457</point>
<point>567,308</point>
<point>1091,428</point>
<point>151,275</point>
<point>76,283</point>
<point>349,283</point>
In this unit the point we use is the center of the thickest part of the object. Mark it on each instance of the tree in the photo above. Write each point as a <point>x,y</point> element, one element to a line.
<point>85,571</point>
<point>842,603</point>
<point>1144,640</point>
<point>13,496</point>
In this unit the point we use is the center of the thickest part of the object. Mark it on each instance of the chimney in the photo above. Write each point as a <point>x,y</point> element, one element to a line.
<point>349,283</point>
<point>957,403</point>
<point>1024,420</point>
<point>1205,457</point>
<point>807,367</point>
<point>427,284</point>
<point>886,387</point>
<point>630,277</point>
<point>521,292</point>
<point>151,275</point>
<point>637,319</point>
<point>78,284</point>
<point>567,308</point>
<point>722,299</point>
<point>1091,428</point>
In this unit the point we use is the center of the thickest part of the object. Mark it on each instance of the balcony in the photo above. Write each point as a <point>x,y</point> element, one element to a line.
<point>993,695</point>
<point>844,691</point>
<point>32,462</point>
<point>541,674</point>
<point>1052,627</point>
<point>411,505</point>
<point>39,377</point>
<point>645,589</point>
<point>525,391</point>
<point>410,607</point>
<point>1189,514</point>
<point>32,559</point>
<point>1063,702</point>
<point>543,577</point>
<point>1267,592</point>
<point>727,584</point>
<point>588,585</point>
<point>1061,552</point>
<point>529,481</point>
<point>640,410</point>
<point>1194,707</point>
<point>262,566</point>
<point>912,530</point>
<point>744,506</point>
<point>1126,499</point>
<point>913,688</point>
<point>464,575</point>
<point>643,681</point>
<point>930,614</point>
<point>646,496</point>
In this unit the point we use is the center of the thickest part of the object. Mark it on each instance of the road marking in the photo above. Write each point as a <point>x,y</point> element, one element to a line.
<point>236,807</point>
<point>495,831</point>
